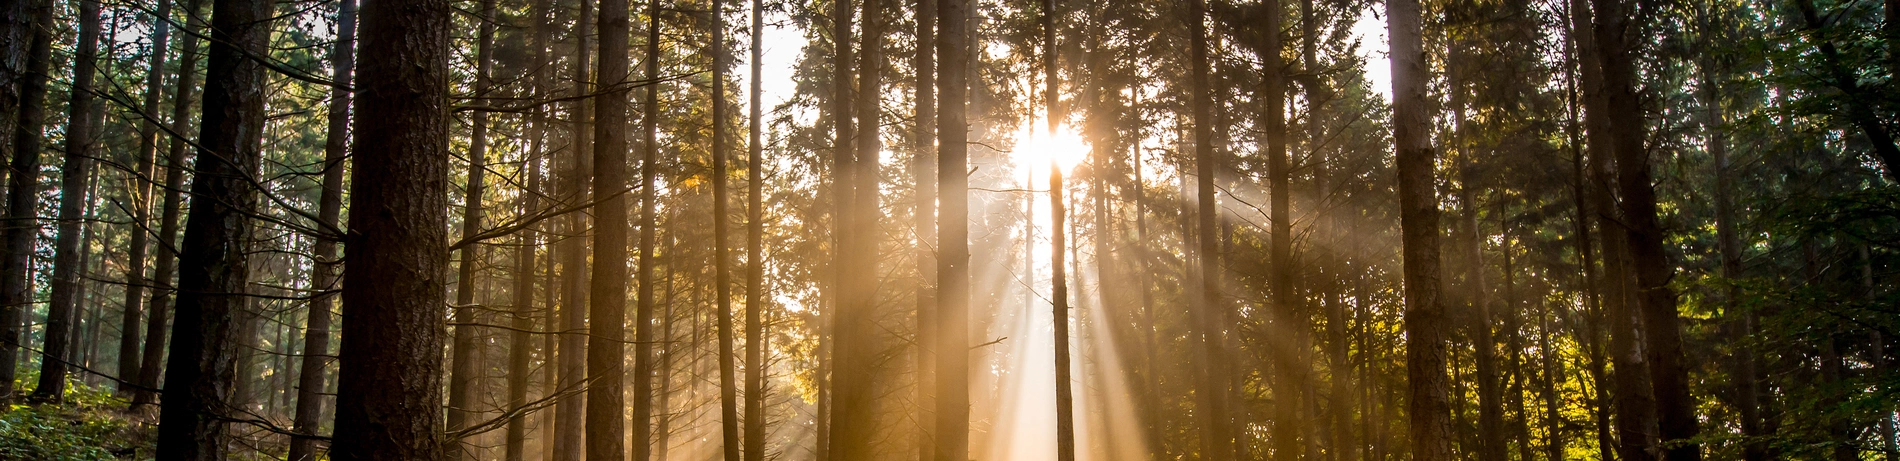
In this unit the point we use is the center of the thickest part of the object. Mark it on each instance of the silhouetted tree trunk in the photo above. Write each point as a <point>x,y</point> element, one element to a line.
<point>952,432</point>
<point>464,368</point>
<point>924,214</point>
<point>1217,438</point>
<point>520,341</point>
<point>176,156</point>
<point>572,251</point>
<point>722,260</point>
<point>842,185</point>
<point>1662,331</point>
<point>141,198</point>
<point>214,262</point>
<point>389,391</point>
<point>1425,323</point>
<point>643,437</point>
<point>1058,245</point>
<point>755,266</point>
<point>23,180</point>
<point>855,380</point>
<point>316,347</point>
<point>68,260</point>
<point>1490,395</point>
<point>607,308</point>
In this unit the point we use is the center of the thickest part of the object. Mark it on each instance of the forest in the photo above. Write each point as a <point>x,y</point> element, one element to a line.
<point>949,230</point>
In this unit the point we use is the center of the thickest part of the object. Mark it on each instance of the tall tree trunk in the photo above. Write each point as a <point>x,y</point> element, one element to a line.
<point>843,185</point>
<point>316,347</point>
<point>152,358</point>
<point>607,308</point>
<point>1058,279</point>
<point>464,367</point>
<point>520,340</point>
<point>854,417</point>
<point>23,181</point>
<point>1425,322</point>
<point>755,240</point>
<point>1491,441</point>
<point>643,437</point>
<point>569,414</point>
<point>1218,435</point>
<point>389,389</point>
<point>1287,303</point>
<point>214,262</point>
<point>141,197</point>
<point>81,133</point>
<point>952,434</point>
<point>1728,246</point>
<point>924,218</point>
<point>1662,331</point>
<point>722,259</point>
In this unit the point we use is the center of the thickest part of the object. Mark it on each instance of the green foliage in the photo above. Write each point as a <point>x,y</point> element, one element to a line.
<point>87,425</point>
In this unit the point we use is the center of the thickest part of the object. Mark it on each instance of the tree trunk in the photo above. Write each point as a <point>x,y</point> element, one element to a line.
<point>389,390</point>
<point>1728,246</point>
<point>722,260</point>
<point>1425,322</point>
<point>316,347</point>
<point>1662,331</point>
<point>924,217</point>
<point>141,198</point>
<point>607,308</point>
<point>152,358</point>
<point>464,368</point>
<point>81,133</point>
<point>952,432</point>
<point>23,182</point>
<point>520,341</point>
<point>755,266</point>
<point>1058,278</point>
<point>1490,395</point>
<point>569,435</point>
<point>1218,436</point>
<point>855,380</point>
<point>643,437</point>
<point>214,263</point>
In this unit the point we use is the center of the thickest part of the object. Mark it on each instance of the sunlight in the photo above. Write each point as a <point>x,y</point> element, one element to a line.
<point>1035,147</point>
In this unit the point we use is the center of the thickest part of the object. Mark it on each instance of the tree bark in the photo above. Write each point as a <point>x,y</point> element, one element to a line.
<point>569,418</point>
<point>23,183</point>
<point>464,367</point>
<point>1218,436</point>
<point>152,358</point>
<point>1425,322</point>
<point>520,341</point>
<point>316,349</point>
<point>1662,331</point>
<point>643,437</point>
<point>924,214</point>
<point>952,432</point>
<point>755,266</point>
<point>607,308</point>
<point>722,260</point>
<point>141,197</point>
<point>214,263</point>
<point>389,392</point>
<point>1058,279</point>
<point>81,134</point>
<point>854,418</point>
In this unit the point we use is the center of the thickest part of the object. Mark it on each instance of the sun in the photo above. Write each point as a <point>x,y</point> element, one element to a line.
<point>1036,146</point>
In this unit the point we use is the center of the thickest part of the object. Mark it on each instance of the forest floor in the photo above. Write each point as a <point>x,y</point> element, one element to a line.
<point>88,424</point>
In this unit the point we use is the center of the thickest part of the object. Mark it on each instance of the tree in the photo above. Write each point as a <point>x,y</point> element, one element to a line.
<point>213,264</point>
<point>68,260</point>
<point>755,239</point>
<point>23,179</point>
<point>952,433</point>
<point>722,275</point>
<point>1425,348</point>
<point>607,311</point>
<point>389,383</point>
<point>649,203</point>
<point>176,156</point>
<point>1217,439</point>
<point>141,198</point>
<point>311,382</point>
<point>1058,246</point>
<point>464,369</point>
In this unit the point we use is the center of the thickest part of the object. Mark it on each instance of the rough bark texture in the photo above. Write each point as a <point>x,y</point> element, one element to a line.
<point>607,308</point>
<point>1425,323</point>
<point>952,432</point>
<point>316,347</point>
<point>924,215</point>
<point>68,259</point>
<point>389,387</point>
<point>213,264</point>
<point>23,182</point>
<point>1662,331</point>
